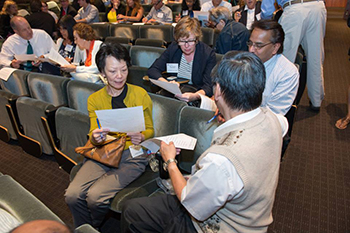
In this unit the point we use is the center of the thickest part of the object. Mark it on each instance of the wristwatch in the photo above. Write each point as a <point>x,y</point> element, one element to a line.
<point>165,165</point>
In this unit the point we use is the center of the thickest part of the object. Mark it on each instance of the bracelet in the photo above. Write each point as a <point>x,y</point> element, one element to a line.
<point>165,165</point>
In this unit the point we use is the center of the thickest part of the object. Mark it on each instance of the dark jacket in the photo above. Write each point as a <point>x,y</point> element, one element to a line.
<point>5,28</point>
<point>234,36</point>
<point>203,62</point>
<point>70,11</point>
<point>244,13</point>
<point>42,20</point>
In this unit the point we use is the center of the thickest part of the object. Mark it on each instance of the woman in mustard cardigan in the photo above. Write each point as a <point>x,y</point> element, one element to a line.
<point>88,195</point>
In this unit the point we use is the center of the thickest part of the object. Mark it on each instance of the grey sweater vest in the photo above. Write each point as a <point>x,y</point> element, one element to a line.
<point>254,148</point>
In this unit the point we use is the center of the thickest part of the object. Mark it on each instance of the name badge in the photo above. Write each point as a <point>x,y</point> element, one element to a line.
<point>172,67</point>
<point>135,150</point>
<point>185,12</point>
<point>258,16</point>
<point>160,14</point>
<point>68,48</point>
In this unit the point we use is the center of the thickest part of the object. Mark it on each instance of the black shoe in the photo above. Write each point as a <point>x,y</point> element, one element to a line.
<point>313,108</point>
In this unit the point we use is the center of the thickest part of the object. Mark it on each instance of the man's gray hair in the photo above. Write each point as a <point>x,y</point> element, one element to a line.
<point>220,13</point>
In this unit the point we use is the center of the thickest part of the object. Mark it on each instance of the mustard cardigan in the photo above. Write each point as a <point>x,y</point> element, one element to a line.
<point>136,96</point>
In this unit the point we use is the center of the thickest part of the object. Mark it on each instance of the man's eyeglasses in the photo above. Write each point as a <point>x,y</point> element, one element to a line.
<point>257,45</point>
<point>188,42</point>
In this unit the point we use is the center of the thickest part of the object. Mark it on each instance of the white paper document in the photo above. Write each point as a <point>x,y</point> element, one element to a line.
<point>138,24</point>
<point>25,57</point>
<point>207,103</point>
<point>201,15</point>
<point>55,58</point>
<point>6,72</point>
<point>171,87</point>
<point>123,120</point>
<point>180,140</point>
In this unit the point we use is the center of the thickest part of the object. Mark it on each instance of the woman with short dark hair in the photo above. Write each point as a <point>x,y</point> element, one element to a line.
<point>89,194</point>
<point>65,44</point>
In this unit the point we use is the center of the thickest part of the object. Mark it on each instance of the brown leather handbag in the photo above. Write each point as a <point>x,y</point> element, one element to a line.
<point>109,153</point>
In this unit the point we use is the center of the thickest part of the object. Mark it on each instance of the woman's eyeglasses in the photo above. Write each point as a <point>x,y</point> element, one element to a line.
<point>188,42</point>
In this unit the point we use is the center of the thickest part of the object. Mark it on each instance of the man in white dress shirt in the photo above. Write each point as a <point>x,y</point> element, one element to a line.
<point>282,76</point>
<point>215,3</point>
<point>20,43</point>
<point>230,189</point>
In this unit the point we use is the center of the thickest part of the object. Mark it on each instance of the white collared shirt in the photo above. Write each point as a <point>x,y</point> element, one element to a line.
<point>209,5</point>
<point>41,43</point>
<point>250,17</point>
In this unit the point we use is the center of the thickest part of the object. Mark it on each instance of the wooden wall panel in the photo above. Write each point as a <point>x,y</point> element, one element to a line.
<point>335,3</point>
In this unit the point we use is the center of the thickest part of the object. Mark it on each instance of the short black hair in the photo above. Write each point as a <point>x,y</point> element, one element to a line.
<point>241,77</point>
<point>35,6</point>
<point>275,27</point>
<point>67,22</point>
<point>115,50</point>
<point>196,6</point>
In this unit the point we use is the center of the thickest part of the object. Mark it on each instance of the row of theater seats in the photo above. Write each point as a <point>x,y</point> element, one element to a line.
<point>48,114</point>
<point>159,32</point>
<point>24,207</point>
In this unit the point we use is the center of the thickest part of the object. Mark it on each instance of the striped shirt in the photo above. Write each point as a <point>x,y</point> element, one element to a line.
<point>185,69</point>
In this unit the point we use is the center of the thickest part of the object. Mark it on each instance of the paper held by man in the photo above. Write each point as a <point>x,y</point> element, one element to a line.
<point>180,140</point>
<point>53,57</point>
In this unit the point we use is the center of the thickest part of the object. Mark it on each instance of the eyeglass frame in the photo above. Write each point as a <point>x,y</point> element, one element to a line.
<point>194,41</point>
<point>258,45</point>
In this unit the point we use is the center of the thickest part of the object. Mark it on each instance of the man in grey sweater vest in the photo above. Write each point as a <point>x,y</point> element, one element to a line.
<point>233,183</point>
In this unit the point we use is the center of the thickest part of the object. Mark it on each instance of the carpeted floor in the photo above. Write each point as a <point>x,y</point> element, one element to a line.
<point>313,194</point>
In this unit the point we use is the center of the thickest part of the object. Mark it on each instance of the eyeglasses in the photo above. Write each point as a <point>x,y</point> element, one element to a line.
<point>188,42</point>
<point>257,45</point>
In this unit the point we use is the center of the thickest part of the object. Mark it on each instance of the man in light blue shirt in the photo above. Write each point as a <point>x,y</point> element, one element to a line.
<point>282,76</point>
<point>304,22</point>
<point>159,13</point>
<point>87,13</point>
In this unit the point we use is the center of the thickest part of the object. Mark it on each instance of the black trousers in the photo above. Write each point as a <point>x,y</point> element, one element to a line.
<point>163,213</point>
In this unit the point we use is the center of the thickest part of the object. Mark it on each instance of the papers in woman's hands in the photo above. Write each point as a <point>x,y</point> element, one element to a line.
<point>180,140</point>
<point>124,120</point>
<point>6,72</point>
<point>25,57</point>
<point>53,57</point>
<point>171,87</point>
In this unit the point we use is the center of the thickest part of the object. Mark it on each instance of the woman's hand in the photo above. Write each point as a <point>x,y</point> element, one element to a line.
<point>120,16</point>
<point>188,96</point>
<point>99,135</point>
<point>136,138</point>
<point>68,68</point>
<point>68,59</point>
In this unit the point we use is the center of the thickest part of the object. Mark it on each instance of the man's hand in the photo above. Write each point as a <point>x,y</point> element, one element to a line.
<point>167,151</point>
<point>68,68</point>
<point>188,96</point>
<point>136,138</point>
<point>99,135</point>
<point>16,63</point>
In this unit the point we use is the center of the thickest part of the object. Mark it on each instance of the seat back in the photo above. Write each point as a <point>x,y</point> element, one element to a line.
<point>120,40</point>
<point>193,122</point>
<point>101,29</point>
<point>48,88</point>
<point>124,30</point>
<point>6,129</point>
<point>165,114</point>
<point>161,32</point>
<point>72,128</point>
<point>146,8</point>
<point>144,56</point>
<point>78,92</point>
<point>175,7</point>
<point>17,83</point>
<point>135,76</point>
<point>151,42</point>
<point>208,36</point>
